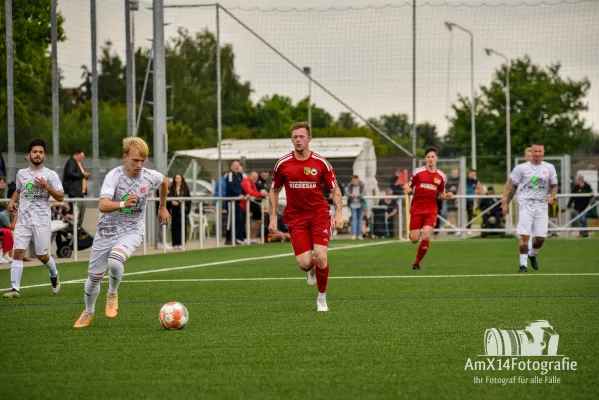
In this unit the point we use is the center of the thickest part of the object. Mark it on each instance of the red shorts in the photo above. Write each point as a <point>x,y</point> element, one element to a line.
<point>308,231</point>
<point>418,221</point>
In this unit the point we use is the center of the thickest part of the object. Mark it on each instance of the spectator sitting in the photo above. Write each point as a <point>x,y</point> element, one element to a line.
<point>7,227</point>
<point>391,212</point>
<point>492,217</point>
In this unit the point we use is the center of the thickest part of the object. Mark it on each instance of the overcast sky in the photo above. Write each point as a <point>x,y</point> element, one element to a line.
<point>364,55</point>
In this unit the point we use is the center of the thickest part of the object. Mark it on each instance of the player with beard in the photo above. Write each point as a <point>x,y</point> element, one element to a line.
<point>303,173</point>
<point>35,185</point>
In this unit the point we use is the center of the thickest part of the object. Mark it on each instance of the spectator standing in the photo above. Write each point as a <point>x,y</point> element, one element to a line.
<point>262,182</point>
<point>580,203</point>
<point>355,192</point>
<point>3,193</point>
<point>234,189</point>
<point>452,187</point>
<point>250,188</point>
<point>178,188</point>
<point>74,181</point>
<point>473,186</point>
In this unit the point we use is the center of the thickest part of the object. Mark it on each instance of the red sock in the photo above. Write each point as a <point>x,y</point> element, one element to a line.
<point>313,263</point>
<point>322,278</point>
<point>421,251</point>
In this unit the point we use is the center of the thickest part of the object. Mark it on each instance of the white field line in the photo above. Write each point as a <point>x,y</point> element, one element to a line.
<point>515,275</point>
<point>214,263</point>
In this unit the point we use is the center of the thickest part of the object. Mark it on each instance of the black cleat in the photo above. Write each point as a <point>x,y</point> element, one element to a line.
<point>533,262</point>
<point>522,269</point>
<point>415,267</point>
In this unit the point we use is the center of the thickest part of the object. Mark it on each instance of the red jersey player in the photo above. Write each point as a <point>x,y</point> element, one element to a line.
<point>307,212</point>
<point>426,182</point>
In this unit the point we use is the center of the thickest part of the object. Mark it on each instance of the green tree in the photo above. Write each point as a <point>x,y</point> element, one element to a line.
<point>32,65</point>
<point>346,120</point>
<point>545,106</point>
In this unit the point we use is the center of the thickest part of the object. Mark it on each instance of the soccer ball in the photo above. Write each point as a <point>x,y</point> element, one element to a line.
<point>173,315</point>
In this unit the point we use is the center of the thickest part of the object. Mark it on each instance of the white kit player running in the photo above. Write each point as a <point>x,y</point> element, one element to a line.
<point>537,180</point>
<point>35,185</point>
<point>123,201</point>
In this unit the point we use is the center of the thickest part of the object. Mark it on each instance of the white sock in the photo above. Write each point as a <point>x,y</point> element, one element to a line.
<point>116,270</point>
<point>92,291</point>
<point>533,252</point>
<point>51,265</point>
<point>322,296</point>
<point>16,270</point>
<point>524,259</point>
<point>530,243</point>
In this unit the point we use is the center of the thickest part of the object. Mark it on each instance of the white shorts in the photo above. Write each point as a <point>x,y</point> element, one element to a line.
<point>98,259</point>
<point>533,219</point>
<point>41,236</point>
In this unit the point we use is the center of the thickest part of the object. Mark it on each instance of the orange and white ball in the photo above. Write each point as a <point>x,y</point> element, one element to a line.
<point>173,315</point>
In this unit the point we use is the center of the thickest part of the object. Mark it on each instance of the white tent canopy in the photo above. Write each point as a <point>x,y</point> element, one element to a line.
<point>361,150</point>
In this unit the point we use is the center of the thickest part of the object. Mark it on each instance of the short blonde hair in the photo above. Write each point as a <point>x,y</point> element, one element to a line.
<point>138,144</point>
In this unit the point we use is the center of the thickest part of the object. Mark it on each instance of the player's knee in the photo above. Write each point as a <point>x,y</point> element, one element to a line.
<point>414,237</point>
<point>116,262</point>
<point>44,258</point>
<point>304,264</point>
<point>321,257</point>
<point>19,254</point>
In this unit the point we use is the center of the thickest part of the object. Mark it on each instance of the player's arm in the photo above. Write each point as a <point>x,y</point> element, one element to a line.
<point>510,192</point>
<point>273,201</point>
<point>57,192</point>
<point>163,214</point>
<point>337,202</point>
<point>12,206</point>
<point>505,189</point>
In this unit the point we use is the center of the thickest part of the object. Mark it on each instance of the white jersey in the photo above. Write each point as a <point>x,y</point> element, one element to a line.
<point>534,181</point>
<point>117,187</point>
<point>34,204</point>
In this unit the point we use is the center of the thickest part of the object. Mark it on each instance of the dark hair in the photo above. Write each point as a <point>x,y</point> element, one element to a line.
<point>538,143</point>
<point>300,125</point>
<point>355,176</point>
<point>233,161</point>
<point>429,149</point>
<point>78,150</point>
<point>172,190</point>
<point>36,142</point>
<point>472,170</point>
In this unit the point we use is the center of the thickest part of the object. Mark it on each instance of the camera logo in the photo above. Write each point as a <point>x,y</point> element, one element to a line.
<point>537,338</point>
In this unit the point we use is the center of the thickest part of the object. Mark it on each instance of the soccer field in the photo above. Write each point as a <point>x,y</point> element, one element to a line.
<point>254,331</point>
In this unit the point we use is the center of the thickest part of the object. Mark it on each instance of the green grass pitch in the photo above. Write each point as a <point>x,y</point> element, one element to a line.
<point>390,333</point>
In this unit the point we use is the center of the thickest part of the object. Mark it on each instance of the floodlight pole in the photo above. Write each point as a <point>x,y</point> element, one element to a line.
<point>450,26</point>
<point>508,137</point>
<point>308,71</point>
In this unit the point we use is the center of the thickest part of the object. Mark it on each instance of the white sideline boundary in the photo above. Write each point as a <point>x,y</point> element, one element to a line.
<point>201,280</point>
<point>214,263</point>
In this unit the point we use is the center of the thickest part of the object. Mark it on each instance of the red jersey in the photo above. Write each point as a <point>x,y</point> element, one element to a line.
<point>426,185</point>
<point>303,180</point>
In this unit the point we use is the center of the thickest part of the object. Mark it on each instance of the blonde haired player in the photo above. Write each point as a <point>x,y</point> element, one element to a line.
<point>123,201</point>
